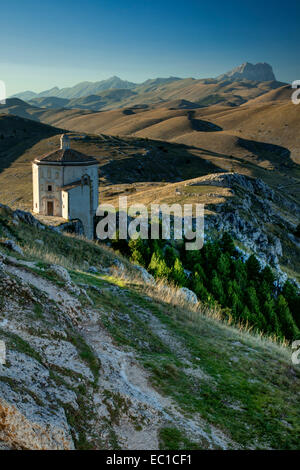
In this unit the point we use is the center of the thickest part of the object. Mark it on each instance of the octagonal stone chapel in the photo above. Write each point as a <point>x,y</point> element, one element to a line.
<point>65,184</point>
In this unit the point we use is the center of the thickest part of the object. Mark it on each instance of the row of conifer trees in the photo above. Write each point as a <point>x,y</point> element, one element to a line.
<point>218,274</point>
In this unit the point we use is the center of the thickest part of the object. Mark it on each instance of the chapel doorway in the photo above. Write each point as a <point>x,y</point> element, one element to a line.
<point>49,207</point>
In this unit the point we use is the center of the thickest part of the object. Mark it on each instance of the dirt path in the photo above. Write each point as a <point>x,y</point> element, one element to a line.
<point>125,396</point>
<point>123,376</point>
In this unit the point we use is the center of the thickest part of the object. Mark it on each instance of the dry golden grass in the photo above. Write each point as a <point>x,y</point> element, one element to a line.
<point>280,94</point>
<point>167,293</point>
<point>271,122</point>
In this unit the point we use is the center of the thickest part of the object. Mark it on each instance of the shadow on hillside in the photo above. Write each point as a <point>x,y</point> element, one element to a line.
<point>165,162</point>
<point>21,137</point>
<point>264,150</point>
<point>170,162</point>
<point>200,125</point>
<point>16,107</point>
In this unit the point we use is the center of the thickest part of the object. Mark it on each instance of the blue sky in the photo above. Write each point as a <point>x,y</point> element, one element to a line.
<point>47,43</point>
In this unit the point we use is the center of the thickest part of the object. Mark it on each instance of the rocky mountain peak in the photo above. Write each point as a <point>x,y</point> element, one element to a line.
<point>261,72</point>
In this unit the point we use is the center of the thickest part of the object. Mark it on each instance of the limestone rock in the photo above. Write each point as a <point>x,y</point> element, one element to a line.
<point>60,272</point>
<point>11,245</point>
<point>147,278</point>
<point>28,218</point>
<point>93,270</point>
<point>74,226</point>
<point>19,432</point>
<point>188,295</point>
<point>119,265</point>
<point>2,260</point>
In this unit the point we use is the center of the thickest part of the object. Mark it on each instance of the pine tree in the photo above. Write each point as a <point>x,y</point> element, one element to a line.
<point>235,304</point>
<point>253,269</point>
<point>252,302</point>
<point>199,289</point>
<point>200,272</point>
<point>191,258</point>
<point>263,291</point>
<point>239,273</point>
<point>247,318</point>
<point>227,244</point>
<point>223,265</point>
<point>140,251</point>
<point>288,326</point>
<point>170,256</point>
<point>268,276</point>
<point>120,245</point>
<point>292,297</point>
<point>158,266</point>
<point>217,288</point>
<point>211,253</point>
<point>178,275</point>
<point>269,312</point>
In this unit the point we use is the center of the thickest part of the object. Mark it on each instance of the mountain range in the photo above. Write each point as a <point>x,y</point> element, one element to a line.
<point>260,72</point>
<point>88,88</point>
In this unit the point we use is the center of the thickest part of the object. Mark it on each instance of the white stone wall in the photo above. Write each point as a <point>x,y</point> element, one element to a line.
<point>43,177</point>
<point>75,173</point>
<point>65,204</point>
<point>35,186</point>
<point>80,207</point>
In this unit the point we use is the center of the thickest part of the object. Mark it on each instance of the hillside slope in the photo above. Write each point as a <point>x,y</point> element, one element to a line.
<point>98,359</point>
<point>242,131</point>
<point>279,94</point>
<point>149,171</point>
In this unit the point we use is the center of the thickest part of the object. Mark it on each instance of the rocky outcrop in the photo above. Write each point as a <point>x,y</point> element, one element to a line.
<point>36,387</point>
<point>261,72</point>
<point>146,277</point>
<point>11,245</point>
<point>188,295</point>
<point>74,226</point>
<point>253,185</point>
<point>255,215</point>
<point>21,432</point>
<point>60,272</point>
<point>28,218</point>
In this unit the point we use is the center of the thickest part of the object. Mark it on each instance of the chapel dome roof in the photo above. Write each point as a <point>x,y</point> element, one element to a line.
<point>66,156</point>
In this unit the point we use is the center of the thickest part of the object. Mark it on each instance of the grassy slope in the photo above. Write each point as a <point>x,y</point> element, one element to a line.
<point>264,134</point>
<point>245,385</point>
<point>259,138</point>
<point>122,164</point>
<point>125,167</point>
